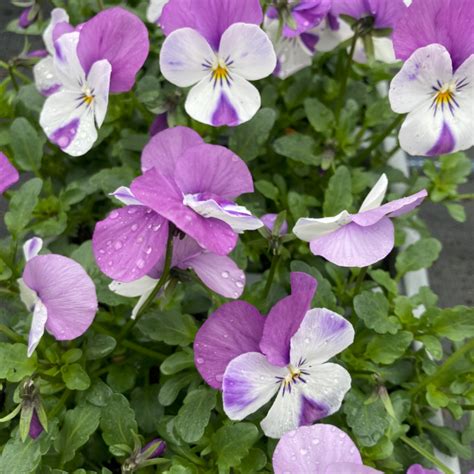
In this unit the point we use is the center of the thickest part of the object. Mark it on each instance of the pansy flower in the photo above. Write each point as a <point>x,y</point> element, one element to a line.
<point>103,57</point>
<point>216,47</point>
<point>283,357</point>
<point>218,272</point>
<point>318,449</point>
<point>269,220</point>
<point>8,174</point>
<point>60,294</point>
<point>155,8</point>
<point>28,16</point>
<point>195,185</point>
<point>436,84</point>
<point>362,239</point>
<point>419,469</point>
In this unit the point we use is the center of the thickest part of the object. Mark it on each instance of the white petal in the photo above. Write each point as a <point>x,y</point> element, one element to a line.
<point>32,248</point>
<point>40,315</point>
<point>412,87</point>
<point>376,196</point>
<point>28,296</point>
<point>329,38</point>
<point>66,62</point>
<point>248,51</point>
<point>321,336</point>
<point>311,229</point>
<point>98,82</point>
<point>384,50</point>
<point>183,57</point>
<point>250,381</point>
<point>46,80</point>
<point>155,9</point>
<point>125,196</point>
<point>223,104</point>
<point>135,288</point>
<point>58,15</point>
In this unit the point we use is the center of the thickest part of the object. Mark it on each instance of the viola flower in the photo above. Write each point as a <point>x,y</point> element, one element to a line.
<point>8,174</point>
<point>362,239</point>
<point>435,86</point>
<point>318,449</point>
<point>219,273</point>
<point>155,8</point>
<point>284,357</point>
<point>269,221</point>
<point>28,16</point>
<point>216,47</point>
<point>419,469</point>
<point>59,292</point>
<point>194,185</point>
<point>36,428</point>
<point>331,32</point>
<point>90,63</point>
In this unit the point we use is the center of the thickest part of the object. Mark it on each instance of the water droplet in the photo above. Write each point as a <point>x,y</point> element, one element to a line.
<point>219,377</point>
<point>110,263</point>
<point>156,228</point>
<point>200,360</point>
<point>242,276</point>
<point>118,245</point>
<point>141,263</point>
<point>109,243</point>
<point>102,251</point>
<point>149,250</point>
<point>315,441</point>
<point>239,284</point>
<point>132,210</point>
<point>114,214</point>
<point>307,340</point>
<point>352,450</point>
<point>292,434</point>
<point>303,452</point>
<point>134,227</point>
<point>225,274</point>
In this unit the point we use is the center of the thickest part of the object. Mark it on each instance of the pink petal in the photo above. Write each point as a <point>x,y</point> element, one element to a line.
<point>350,468</point>
<point>285,319</point>
<point>129,242</point>
<point>66,290</point>
<point>164,149</point>
<point>356,246</point>
<point>234,329</point>
<point>312,449</point>
<point>120,37</point>
<point>419,469</point>
<point>8,174</point>
<point>213,169</point>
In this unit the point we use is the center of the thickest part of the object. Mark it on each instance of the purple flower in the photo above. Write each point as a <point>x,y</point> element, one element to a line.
<point>419,469</point>
<point>362,239</point>
<point>194,185</point>
<point>155,8</point>
<point>36,428</point>
<point>159,451</point>
<point>8,174</point>
<point>439,102</point>
<point>217,47</point>
<point>28,17</point>
<point>384,12</point>
<point>449,23</point>
<point>59,292</point>
<point>159,124</point>
<point>218,272</point>
<point>282,357</point>
<point>270,219</point>
<point>318,449</point>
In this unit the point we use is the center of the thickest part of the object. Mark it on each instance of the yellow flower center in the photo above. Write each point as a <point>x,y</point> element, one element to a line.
<point>220,72</point>
<point>88,99</point>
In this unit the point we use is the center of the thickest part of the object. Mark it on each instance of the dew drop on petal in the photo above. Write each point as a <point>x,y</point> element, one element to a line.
<point>225,275</point>
<point>219,377</point>
<point>303,452</point>
<point>134,227</point>
<point>315,441</point>
<point>149,250</point>
<point>239,284</point>
<point>114,215</point>
<point>200,360</point>
<point>141,263</point>
<point>118,245</point>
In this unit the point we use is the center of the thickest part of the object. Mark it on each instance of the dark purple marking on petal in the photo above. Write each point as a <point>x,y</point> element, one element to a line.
<point>36,427</point>
<point>312,411</point>
<point>38,53</point>
<point>225,114</point>
<point>310,40</point>
<point>65,135</point>
<point>333,22</point>
<point>445,143</point>
<point>50,90</point>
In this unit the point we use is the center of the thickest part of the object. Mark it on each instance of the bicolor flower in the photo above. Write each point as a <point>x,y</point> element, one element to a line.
<point>195,185</point>
<point>269,221</point>
<point>318,449</point>
<point>419,469</point>
<point>36,428</point>
<point>155,8</point>
<point>103,57</point>
<point>362,239</point>
<point>331,32</point>
<point>8,174</point>
<point>217,48</point>
<point>28,16</point>
<point>60,294</point>
<point>219,273</point>
<point>283,357</point>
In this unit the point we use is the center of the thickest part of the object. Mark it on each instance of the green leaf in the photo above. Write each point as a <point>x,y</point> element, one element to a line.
<point>232,444</point>
<point>297,147</point>
<point>121,378</point>
<point>248,139</point>
<point>177,362</point>
<point>27,145</point>
<point>338,195</point>
<point>5,271</point>
<point>75,377</point>
<point>456,211</point>
<point>320,117</point>
<point>148,411</point>
<point>388,348</point>
<point>99,346</point>
<point>22,206</point>
<point>455,323</point>
<point>194,415</point>
<point>269,190</point>
<point>78,426</point>
<point>19,457</point>
<point>170,389</point>
<point>433,345</point>
<point>16,365</point>
<point>435,397</point>
<point>384,279</point>
<point>373,309</point>
<point>420,255</point>
<point>98,394</point>
<point>255,461</point>
<point>118,422</point>
<point>449,440</point>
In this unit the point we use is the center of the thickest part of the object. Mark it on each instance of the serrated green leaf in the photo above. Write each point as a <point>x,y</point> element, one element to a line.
<point>27,144</point>
<point>373,309</point>
<point>75,377</point>
<point>16,365</point>
<point>388,348</point>
<point>338,195</point>
<point>420,255</point>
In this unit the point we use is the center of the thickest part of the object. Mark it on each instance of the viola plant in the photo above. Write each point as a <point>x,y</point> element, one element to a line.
<point>209,236</point>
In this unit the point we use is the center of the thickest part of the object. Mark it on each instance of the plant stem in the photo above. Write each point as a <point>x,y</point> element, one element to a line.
<point>100,5</point>
<point>360,280</point>
<point>345,78</point>
<point>464,197</point>
<point>12,76</point>
<point>161,283</point>
<point>62,401</point>
<point>271,275</point>
<point>10,334</point>
<point>445,367</point>
<point>414,445</point>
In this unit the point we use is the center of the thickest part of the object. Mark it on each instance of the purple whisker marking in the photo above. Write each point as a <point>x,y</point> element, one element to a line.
<point>63,136</point>
<point>312,411</point>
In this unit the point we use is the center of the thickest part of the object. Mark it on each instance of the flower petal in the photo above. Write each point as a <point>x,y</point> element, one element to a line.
<point>316,448</point>
<point>308,229</point>
<point>332,33</point>
<point>356,246</point>
<point>250,382</point>
<point>250,51</point>
<point>45,77</point>
<point>32,248</point>
<point>285,318</point>
<point>234,329</point>
<point>129,242</point>
<point>133,289</point>
<point>376,196</point>
<point>8,174</point>
<point>155,8</point>
<point>210,17</point>
<point>68,68</point>
<point>223,103</point>
<point>419,469</point>
<point>121,38</point>
<point>66,290</point>
<point>164,149</point>
<point>98,80</point>
<point>184,57</point>
<point>58,15</point>
<point>321,335</point>
<point>125,196</point>
<point>40,315</point>
<point>350,468</point>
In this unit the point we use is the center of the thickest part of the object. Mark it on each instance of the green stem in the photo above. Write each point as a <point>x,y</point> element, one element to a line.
<point>414,445</point>
<point>467,407</point>
<point>10,334</point>
<point>22,76</point>
<point>12,76</point>
<point>445,367</point>
<point>100,5</point>
<point>464,197</point>
<point>58,407</point>
<point>360,280</point>
<point>271,275</point>
<point>345,78</point>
